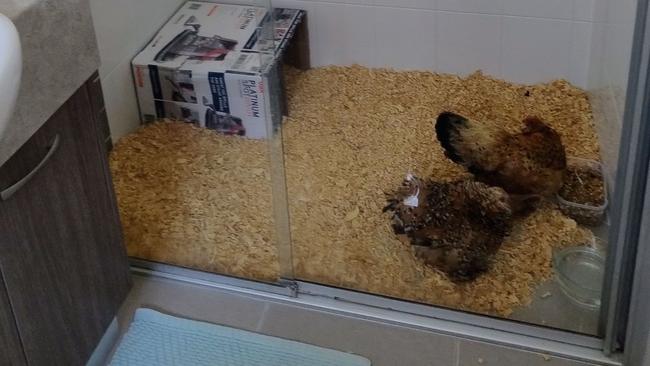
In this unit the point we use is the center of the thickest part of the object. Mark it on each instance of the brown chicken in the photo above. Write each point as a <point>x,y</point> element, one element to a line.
<point>531,162</point>
<point>455,227</point>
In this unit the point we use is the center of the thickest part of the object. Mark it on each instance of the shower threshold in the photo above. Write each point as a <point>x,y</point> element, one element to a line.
<point>394,311</point>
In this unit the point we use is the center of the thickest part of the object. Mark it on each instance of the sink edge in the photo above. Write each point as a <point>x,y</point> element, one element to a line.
<point>10,70</point>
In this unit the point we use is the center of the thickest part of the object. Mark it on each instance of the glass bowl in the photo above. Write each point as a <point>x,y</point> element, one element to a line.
<point>579,271</point>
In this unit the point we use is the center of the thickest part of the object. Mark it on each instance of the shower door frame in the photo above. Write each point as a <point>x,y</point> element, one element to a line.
<point>627,263</point>
<point>637,334</point>
<point>624,316</point>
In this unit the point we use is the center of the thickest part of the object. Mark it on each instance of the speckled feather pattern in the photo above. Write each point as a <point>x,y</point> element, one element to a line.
<point>458,226</point>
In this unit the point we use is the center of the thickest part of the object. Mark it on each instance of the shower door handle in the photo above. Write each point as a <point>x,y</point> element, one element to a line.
<point>7,193</point>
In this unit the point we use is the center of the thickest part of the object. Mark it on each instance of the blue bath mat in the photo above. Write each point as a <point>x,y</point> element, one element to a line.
<point>158,339</point>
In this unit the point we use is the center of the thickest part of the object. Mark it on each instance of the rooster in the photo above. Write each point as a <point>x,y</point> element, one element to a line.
<point>531,162</point>
<point>455,227</point>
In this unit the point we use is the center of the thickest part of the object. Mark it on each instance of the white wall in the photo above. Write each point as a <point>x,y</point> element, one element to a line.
<point>123,27</point>
<point>517,40</point>
<point>608,76</point>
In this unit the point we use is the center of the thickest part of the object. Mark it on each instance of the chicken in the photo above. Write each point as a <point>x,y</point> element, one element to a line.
<point>455,227</point>
<point>531,162</point>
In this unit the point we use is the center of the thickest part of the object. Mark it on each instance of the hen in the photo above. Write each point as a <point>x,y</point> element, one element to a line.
<point>531,162</point>
<point>456,227</point>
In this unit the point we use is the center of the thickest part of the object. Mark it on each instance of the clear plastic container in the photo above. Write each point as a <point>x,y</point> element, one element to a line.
<point>585,214</point>
<point>580,271</point>
<point>598,244</point>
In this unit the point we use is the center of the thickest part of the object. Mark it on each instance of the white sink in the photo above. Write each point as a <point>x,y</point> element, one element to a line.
<point>10,70</point>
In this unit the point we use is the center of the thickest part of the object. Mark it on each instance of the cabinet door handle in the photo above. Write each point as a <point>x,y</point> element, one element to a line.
<point>7,193</point>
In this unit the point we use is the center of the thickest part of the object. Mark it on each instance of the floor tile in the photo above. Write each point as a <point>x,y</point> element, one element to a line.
<point>383,344</point>
<point>191,301</point>
<point>483,354</point>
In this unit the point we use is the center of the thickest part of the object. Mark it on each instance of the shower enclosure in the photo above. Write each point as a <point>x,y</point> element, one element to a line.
<point>300,212</point>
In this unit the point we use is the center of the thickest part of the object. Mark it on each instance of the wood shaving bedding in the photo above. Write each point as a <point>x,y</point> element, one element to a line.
<point>353,133</point>
<point>190,197</point>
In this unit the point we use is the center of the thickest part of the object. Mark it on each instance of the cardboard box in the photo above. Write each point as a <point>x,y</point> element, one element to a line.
<point>208,64</point>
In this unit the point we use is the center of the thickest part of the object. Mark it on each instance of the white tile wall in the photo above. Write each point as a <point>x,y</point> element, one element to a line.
<point>618,37</point>
<point>412,33</point>
<point>535,49</point>
<point>596,79</point>
<point>611,48</point>
<point>123,27</point>
<point>580,55</point>
<point>345,34</point>
<point>472,6</point>
<point>600,10</point>
<point>467,42</point>
<point>120,100</point>
<point>518,40</point>
<point>554,9</point>
<point>584,10</point>
<point>412,4</point>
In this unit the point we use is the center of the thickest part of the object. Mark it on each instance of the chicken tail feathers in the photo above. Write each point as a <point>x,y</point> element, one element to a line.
<point>390,206</point>
<point>447,132</point>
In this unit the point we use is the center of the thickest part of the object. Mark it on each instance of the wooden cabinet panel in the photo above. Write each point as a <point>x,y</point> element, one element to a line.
<point>11,350</point>
<point>99,110</point>
<point>61,250</point>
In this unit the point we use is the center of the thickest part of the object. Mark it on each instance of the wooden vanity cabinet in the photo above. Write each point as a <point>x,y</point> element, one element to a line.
<point>62,259</point>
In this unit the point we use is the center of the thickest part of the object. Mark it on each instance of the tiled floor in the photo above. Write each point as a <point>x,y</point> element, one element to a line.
<point>383,343</point>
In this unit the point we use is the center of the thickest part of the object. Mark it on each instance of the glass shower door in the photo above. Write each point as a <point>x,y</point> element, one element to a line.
<point>197,190</point>
<point>363,118</point>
